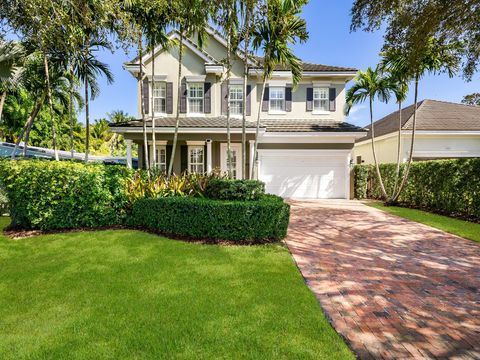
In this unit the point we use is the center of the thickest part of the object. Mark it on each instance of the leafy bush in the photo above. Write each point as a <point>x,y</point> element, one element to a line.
<point>262,220</point>
<point>445,186</point>
<point>52,195</point>
<point>227,189</point>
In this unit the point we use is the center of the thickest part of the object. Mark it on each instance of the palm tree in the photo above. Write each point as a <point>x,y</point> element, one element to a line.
<point>433,57</point>
<point>87,68</point>
<point>11,69</point>
<point>191,17</point>
<point>282,27</point>
<point>368,85</point>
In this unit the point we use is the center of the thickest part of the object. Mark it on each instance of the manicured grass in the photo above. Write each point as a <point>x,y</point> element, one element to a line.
<point>465,229</point>
<point>130,295</point>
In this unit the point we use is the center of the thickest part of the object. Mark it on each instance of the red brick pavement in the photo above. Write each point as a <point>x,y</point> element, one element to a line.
<point>391,287</point>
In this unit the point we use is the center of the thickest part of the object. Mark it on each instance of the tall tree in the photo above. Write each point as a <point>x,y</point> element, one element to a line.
<point>274,35</point>
<point>11,69</point>
<point>471,99</point>
<point>369,85</point>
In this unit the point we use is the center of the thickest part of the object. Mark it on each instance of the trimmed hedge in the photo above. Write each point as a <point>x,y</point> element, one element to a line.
<point>227,189</point>
<point>50,195</point>
<point>445,186</point>
<point>263,220</point>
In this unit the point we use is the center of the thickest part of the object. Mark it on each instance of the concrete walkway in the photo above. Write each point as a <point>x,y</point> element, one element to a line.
<point>392,288</point>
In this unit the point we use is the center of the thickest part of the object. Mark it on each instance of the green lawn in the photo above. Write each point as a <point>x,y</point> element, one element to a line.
<point>465,229</point>
<point>130,295</point>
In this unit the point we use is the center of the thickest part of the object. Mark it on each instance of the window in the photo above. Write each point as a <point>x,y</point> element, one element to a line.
<point>159,97</point>
<point>195,98</point>
<point>161,157</point>
<point>196,159</point>
<point>236,99</point>
<point>277,99</point>
<point>320,99</point>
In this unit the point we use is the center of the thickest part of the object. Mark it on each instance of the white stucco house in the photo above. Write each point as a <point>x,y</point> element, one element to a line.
<point>305,146</point>
<point>444,131</point>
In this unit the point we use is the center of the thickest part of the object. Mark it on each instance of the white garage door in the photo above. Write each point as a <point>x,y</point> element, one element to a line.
<point>308,174</point>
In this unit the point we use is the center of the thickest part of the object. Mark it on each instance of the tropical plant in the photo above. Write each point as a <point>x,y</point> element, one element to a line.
<point>274,35</point>
<point>11,69</point>
<point>471,99</point>
<point>368,85</point>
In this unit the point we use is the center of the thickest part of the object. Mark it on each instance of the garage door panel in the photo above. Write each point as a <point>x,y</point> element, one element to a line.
<point>295,175</point>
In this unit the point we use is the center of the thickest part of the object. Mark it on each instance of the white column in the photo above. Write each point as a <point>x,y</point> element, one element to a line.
<point>209,156</point>
<point>251,157</point>
<point>129,153</point>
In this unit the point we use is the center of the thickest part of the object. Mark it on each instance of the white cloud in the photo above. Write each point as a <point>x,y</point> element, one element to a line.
<point>357,114</point>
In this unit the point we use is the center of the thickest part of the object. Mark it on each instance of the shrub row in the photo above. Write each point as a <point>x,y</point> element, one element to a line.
<point>50,195</point>
<point>445,186</point>
<point>226,189</point>
<point>263,220</point>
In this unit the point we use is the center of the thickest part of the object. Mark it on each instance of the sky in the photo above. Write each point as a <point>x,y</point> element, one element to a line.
<point>330,43</point>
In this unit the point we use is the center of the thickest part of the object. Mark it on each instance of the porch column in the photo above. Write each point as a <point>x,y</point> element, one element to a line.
<point>252,158</point>
<point>129,153</point>
<point>209,156</point>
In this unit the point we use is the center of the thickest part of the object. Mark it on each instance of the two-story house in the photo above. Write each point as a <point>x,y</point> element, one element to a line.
<point>304,146</point>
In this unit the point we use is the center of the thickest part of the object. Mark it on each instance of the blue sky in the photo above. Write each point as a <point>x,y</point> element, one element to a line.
<point>330,43</point>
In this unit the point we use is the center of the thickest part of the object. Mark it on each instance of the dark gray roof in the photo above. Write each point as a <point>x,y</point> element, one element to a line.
<point>270,125</point>
<point>431,115</point>
<point>310,67</point>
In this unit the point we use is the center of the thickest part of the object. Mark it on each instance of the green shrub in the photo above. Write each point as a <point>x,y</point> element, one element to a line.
<point>361,174</point>
<point>261,220</point>
<point>445,186</point>
<point>53,195</point>
<point>227,189</point>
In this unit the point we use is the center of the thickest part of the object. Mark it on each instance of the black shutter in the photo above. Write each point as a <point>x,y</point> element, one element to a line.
<point>288,98</point>
<point>224,97</point>
<point>183,97</point>
<point>309,99</point>
<point>331,97</point>
<point>266,98</point>
<point>169,96</point>
<point>183,158</point>
<point>249,101</point>
<point>207,98</point>
<point>146,95</point>
<point>169,155</point>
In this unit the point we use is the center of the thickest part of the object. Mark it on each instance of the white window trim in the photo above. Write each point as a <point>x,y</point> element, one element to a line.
<point>160,114</point>
<point>193,147</point>
<point>276,112</point>
<point>320,112</point>
<point>240,86</point>
<point>189,113</point>
<point>159,146</point>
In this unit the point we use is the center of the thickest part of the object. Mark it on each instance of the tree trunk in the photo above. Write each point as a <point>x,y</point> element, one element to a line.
<point>28,124</point>
<point>399,149</point>
<point>2,103</point>
<point>377,168</point>
<point>154,145</point>
<point>87,121</point>
<point>142,108</point>
<point>410,157</point>
<point>70,113</point>
<point>177,115</point>
<point>50,106</point>
<point>229,145</point>
<point>254,166</point>
<point>245,80</point>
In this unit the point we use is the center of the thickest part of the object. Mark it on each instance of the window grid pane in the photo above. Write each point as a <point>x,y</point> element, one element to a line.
<point>236,100</point>
<point>320,99</point>
<point>159,97</point>
<point>196,160</point>
<point>195,97</point>
<point>277,98</point>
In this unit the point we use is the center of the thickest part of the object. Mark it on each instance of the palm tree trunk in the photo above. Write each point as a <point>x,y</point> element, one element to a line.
<point>87,121</point>
<point>142,108</point>
<point>2,103</point>
<point>399,149</point>
<point>154,145</point>
<point>229,145</point>
<point>70,113</point>
<point>254,165</point>
<point>377,168</point>
<point>410,157</point>
<point>28,124</point>
<point>245,79</point>
<point>177,115</point>
<point>50,106</point>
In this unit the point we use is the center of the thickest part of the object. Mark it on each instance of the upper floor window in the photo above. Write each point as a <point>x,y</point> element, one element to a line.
<point>159,97</point>
<point>236,99</point>
<point>277,99</point>
<point>320,99</point>
<point>195,98</point>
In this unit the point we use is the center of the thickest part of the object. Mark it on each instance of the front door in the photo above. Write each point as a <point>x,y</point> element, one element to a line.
<point>236,158</point>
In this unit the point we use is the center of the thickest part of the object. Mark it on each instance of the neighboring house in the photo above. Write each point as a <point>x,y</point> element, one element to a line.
<point>444,130</point>
<point>304,144</point>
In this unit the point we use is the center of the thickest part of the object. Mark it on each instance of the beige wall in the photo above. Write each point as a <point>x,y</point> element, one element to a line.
<point>166,63</point>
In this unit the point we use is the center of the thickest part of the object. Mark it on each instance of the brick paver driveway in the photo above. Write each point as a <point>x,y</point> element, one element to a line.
<point>393,288</point>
